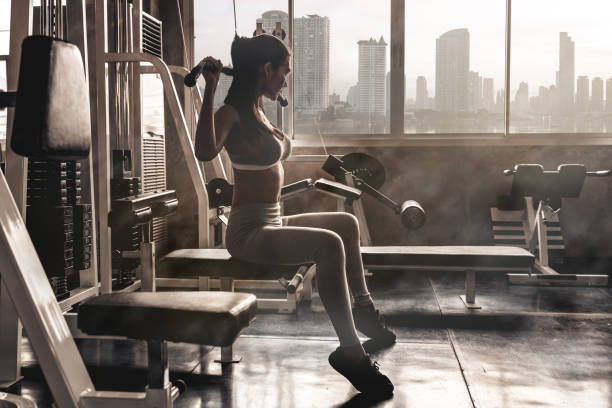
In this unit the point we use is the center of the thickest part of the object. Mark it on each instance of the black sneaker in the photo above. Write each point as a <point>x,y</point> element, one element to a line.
<point>371,323</point>
<point>365,375</point>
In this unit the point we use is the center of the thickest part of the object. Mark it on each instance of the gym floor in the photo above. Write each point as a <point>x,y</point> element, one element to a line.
<point>527,347</point>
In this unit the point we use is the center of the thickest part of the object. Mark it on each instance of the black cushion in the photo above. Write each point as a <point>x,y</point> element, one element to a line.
<point>209,318</point>
<point>217,262</point>
<point>52,119</point>
<point>449,256</point>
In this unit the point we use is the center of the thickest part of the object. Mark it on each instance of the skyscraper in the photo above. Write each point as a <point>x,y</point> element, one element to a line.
<point>609,95</point>
<point>452,67</point>
<point>488,94</point>
<point>222,88</point>
<point>421,93</point>
<point>521,100</point>
<point>371,75</point>
<point>597,96</point>
<point>566,74</point>
<point>352,96</point>
<point>582,94</point>
<point>311,63</point>
<point>474,91</point>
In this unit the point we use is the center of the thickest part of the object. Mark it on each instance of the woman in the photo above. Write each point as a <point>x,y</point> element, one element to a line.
<point>256,231</point>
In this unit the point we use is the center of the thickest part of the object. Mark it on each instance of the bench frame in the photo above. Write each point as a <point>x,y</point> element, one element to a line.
<point>536,234</point>
<point>302,282</point>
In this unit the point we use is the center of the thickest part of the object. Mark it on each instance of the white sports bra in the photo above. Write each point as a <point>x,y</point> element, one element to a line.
<point>270,152</point>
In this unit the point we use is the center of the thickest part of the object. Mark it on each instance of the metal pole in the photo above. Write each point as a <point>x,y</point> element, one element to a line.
<point>507,73</point>
<point>396,99</point>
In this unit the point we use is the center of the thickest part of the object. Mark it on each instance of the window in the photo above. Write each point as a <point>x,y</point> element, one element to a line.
<point>454,66</point>
<point>341,66</point>
<point>561,67</point>
<point>152,104</point>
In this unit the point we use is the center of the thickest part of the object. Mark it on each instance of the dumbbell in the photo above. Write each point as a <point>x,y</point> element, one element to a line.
<point>411,213</point>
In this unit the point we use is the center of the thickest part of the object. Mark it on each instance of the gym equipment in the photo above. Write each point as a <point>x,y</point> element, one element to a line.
<point>542,191</point>
<point>410,212</point>
<point>214,318</point>
<point>364,166</point>
<point>41,127</point>
<point>15,401</point>
<point>194,267</point>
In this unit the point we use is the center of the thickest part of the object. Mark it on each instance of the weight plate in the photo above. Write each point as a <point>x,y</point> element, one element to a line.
<point>366,167</point>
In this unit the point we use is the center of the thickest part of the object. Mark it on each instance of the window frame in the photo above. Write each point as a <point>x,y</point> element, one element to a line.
<point>397,136</point>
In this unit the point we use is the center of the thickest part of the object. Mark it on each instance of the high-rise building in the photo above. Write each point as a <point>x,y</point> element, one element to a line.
<point>609,95</point>
<point>474,91</point>
<point>371,75</point>
<point>597,95</point>
<point>311,63</point>
<point>452,67</point>
<point>488,94</point>
<point>500,101</point>
<point>221,91</point>
<point>521,99</point>
<point>566,74</point>
<point>582,94</point>
<point>352,96</point>
<point>421,93</point>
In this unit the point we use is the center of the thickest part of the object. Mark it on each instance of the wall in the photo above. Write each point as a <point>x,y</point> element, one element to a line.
<point>457,185</point>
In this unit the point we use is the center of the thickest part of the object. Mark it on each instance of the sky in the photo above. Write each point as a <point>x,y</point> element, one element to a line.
<point>535,35</point>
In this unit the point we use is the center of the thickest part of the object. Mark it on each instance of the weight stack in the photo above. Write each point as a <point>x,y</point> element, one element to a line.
<point>82,240</point>
<point>124,238</point>
<point>53,191</point>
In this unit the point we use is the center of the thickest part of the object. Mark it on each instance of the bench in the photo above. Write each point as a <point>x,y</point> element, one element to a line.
<point>198,265</point>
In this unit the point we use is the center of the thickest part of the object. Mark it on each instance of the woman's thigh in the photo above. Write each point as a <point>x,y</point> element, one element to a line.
<point>344,224</point>
<point>287,245</point>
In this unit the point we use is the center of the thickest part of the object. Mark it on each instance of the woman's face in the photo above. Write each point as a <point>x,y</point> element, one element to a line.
<point>275,79</point>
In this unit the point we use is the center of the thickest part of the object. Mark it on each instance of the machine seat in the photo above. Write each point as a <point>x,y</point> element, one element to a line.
<point>207,318</point>
<point>449,256</point>
<point>217,262</point>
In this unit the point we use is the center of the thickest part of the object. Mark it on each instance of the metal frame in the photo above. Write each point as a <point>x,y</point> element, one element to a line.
<point>186,144</point>
<point>48,331</point>
<point>537,235</point>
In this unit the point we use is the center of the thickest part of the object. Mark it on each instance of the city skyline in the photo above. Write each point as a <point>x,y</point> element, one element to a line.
<point>535,27</point>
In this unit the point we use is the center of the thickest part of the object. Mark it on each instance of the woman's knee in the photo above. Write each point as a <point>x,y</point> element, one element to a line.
<point>349,226</point>
<point>331,247</point>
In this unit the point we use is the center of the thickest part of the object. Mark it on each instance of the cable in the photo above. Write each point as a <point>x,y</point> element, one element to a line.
<point>235,23</point>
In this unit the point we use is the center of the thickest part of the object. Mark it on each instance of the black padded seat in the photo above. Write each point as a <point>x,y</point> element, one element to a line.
<point>217,262</point>
<point>449,256</point>
<point>207,318</point>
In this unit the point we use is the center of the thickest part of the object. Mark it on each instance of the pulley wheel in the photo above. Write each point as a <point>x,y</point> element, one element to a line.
<point>219,193</point>
<point>366,167</point>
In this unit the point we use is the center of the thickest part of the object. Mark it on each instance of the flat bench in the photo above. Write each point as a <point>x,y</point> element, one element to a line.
<point>205,318</point>
<point>200,264</point>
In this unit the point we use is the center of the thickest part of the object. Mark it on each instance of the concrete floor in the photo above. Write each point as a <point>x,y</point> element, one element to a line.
<point>527,347</point>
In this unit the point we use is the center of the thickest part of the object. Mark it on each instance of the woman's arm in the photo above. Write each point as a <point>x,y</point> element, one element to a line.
<point>213,129</point>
